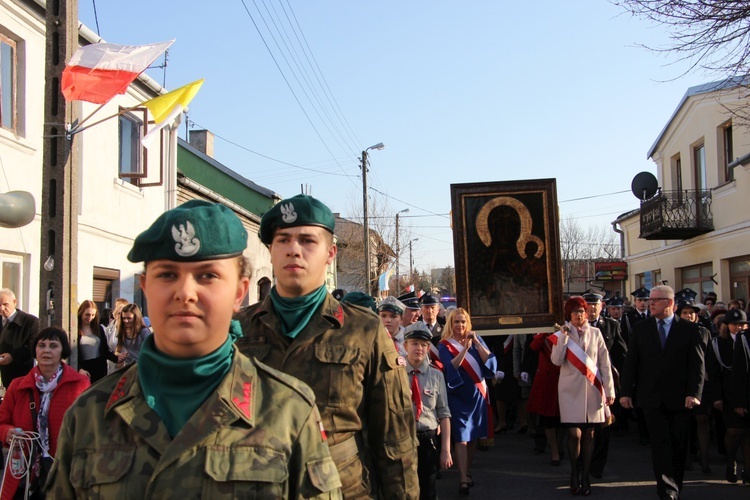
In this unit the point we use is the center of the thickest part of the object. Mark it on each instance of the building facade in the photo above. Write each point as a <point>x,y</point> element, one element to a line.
<point>695,230</point>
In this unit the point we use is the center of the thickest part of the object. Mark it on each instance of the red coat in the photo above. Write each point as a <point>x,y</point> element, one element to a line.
<point>15,411</point>
<point>543,396</point>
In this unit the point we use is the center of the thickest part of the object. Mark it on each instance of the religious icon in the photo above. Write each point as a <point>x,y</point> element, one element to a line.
<point>508,272</point>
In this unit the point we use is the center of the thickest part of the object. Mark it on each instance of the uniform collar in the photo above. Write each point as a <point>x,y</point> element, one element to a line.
<point>331,310</point>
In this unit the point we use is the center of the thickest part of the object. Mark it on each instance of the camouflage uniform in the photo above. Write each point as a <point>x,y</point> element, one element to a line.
<point>347,358</point>
<point>113,446</point>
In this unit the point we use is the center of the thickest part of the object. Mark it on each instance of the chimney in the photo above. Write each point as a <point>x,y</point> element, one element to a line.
<point>203,141</point>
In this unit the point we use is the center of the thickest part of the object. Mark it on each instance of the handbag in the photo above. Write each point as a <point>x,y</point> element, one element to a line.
<point>42,464</point>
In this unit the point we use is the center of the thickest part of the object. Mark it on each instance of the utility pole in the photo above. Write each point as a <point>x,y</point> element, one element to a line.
<point>366,224</point>
<point>398,251</point>
<point>411,260</point>
<point>58,273</point>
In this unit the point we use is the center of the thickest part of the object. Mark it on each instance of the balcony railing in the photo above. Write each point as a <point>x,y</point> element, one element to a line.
<point>676,215</point>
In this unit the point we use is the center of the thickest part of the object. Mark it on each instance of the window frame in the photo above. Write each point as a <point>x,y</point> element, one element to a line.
<point>18,288</point>
<point>131,115</point>
<point>727,151</point>
<point>699,168</point>
<point>4,39</point>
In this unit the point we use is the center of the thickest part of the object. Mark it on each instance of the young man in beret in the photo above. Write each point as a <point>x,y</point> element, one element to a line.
<point>342,351</point>
<point>430,403</point>
<point>193,418</point>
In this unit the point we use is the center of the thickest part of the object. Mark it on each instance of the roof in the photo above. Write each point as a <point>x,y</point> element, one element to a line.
<point>705,88</point>
<point>228,171</point>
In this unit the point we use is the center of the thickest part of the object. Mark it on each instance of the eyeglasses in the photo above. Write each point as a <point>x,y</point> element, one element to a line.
<point>657,299</point>
<point>578,311</point>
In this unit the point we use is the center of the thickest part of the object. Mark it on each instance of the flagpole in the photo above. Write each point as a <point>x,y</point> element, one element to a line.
<point>78,129</point>
<point>92,114</point>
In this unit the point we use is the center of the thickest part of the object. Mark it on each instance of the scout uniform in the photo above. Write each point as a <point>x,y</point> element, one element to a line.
<point>347,358</point>
<point>430,403</point>
<point>257,433</point>
<point>393,305</point>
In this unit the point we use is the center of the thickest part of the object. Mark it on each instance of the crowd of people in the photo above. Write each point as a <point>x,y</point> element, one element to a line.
<point>309,394</point>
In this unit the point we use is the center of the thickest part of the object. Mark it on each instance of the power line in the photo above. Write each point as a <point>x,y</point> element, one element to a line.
<point>278,67</point>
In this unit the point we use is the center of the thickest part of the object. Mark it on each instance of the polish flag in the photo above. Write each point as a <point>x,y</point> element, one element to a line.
<point>98,72</point>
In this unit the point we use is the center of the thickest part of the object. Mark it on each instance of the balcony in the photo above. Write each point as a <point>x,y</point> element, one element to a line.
<point>676,215</point>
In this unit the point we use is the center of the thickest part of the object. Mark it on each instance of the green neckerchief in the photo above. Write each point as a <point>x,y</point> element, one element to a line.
<point>176,387</point>
<point>295,313</point>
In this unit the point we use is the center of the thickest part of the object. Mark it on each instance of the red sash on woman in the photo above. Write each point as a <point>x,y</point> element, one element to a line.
<point>584,364</point>
<point>471,366</point>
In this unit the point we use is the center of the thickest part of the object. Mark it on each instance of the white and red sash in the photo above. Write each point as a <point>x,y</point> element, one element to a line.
<point>435,357</point>
<point>471,366</point>
<point>577,357</point>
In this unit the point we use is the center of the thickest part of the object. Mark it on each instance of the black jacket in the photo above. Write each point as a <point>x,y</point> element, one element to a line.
<point>15,339</point>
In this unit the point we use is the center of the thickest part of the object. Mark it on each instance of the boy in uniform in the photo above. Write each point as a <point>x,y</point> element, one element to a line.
<point>430,401</point>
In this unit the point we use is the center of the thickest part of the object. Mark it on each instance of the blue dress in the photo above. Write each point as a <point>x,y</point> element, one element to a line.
<point>468,407</point>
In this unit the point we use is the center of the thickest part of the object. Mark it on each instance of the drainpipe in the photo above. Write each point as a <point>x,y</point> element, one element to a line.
<point>622,246</point>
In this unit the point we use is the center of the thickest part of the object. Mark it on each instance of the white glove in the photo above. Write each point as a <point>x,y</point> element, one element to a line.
<point>499,376</point>
<point>525,377</point>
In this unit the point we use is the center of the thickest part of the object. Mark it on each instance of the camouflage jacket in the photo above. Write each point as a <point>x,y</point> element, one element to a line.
<point>345,355</point>
<point>258,435</point>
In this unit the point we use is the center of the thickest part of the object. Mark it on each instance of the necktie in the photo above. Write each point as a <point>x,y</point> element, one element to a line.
<point>416,394</point>
<point>662,333</point>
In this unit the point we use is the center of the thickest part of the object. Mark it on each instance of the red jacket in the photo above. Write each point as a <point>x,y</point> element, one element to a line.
<point>15,411</point>
<point>543,396</point>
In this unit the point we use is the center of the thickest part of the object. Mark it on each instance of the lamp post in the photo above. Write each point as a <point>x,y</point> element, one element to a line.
<point>368,286</point>
<point>398,249</point>
<point>411,261</point>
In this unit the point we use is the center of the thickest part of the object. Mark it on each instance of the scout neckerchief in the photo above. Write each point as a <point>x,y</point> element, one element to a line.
<point>470,364</point>
<point>577,357</point>
<point>176,387</point>
<point>295,313</point>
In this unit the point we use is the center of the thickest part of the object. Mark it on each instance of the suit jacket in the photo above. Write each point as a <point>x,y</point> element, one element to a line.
<point>616,345</point>
<point>437,333</point>
<point>656,377</point>
<point>15,339</point>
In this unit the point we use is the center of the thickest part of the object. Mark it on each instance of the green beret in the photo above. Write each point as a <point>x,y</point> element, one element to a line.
<point>300,210</point>
<point>194,231</point>
<point>360,299</point>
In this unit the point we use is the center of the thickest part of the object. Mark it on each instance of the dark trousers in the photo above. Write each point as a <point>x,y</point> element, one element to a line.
<point>668,433</point>
<point>601,450</point>
<point>427,464</point>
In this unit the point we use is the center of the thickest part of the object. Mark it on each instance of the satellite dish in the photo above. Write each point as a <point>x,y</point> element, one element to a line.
<point>644,185</point>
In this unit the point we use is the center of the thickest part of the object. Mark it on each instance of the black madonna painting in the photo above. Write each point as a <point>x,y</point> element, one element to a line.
<point>506,245</point>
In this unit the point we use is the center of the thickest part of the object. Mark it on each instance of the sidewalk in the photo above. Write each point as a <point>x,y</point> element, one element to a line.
<point>511,470</point>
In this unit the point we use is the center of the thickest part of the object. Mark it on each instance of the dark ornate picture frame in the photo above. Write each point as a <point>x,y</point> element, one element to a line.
<point>507,253</point>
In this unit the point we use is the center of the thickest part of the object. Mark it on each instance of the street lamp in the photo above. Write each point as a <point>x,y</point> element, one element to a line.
<point>377,146</point>
<point>411,261</point>
<point>398,249</point>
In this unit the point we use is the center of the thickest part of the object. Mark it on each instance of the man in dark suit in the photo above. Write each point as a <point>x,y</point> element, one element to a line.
<point>617,348</point>
<point>430,307</point>
<point>664,375</point>
<point>19,328</point>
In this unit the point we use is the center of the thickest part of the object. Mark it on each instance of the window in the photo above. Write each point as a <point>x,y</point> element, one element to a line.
<point>132,158</point>
<point>727,152</point>
<point>676,171</point>
<point>699,162</point>
<point>698,278</point>
<point>8,72</point>
<point>11,276</point>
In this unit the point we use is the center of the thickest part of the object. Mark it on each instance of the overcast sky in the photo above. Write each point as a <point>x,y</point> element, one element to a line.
<point>461,91</point>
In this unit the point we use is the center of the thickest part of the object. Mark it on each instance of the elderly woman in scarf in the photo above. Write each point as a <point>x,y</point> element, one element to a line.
<point>52,386</point>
